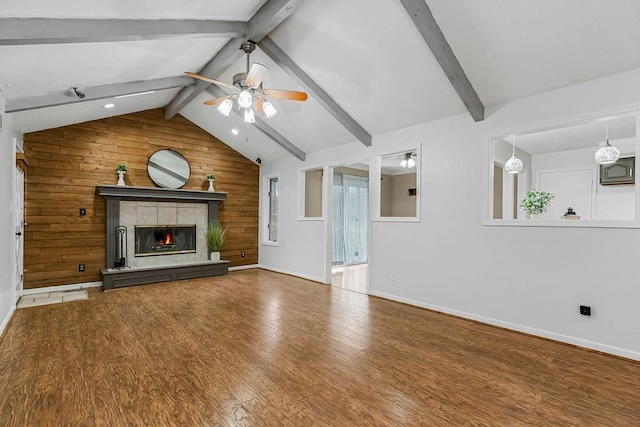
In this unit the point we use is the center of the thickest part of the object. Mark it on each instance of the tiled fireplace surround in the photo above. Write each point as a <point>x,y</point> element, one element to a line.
<point>134,213</point>
<point>131,206</point>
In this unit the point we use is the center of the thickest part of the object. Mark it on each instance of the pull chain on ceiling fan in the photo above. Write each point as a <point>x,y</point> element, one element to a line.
<point>250,95</point>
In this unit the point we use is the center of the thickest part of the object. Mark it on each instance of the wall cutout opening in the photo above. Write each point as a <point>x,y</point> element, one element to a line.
<point>560,160</point>
<point>312,182</point>
<point>399,185</point>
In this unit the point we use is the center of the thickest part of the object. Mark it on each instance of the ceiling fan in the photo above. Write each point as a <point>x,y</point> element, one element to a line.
<point>250,95</point>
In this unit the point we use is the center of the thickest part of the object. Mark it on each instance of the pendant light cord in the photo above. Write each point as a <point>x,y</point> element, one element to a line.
<point>513,146</point>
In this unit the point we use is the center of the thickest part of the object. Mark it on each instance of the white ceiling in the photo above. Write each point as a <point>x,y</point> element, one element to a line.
<point>367,55</point>
<point>588,134</point>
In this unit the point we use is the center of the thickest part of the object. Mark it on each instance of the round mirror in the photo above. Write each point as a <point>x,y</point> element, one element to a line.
<point>168,169</point>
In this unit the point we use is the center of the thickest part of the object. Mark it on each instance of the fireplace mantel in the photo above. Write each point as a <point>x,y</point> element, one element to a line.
<point>114,194</point>
<point>159,194</point>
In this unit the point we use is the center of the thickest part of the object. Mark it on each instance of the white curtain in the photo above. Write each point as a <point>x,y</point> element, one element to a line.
<point>350,218</point>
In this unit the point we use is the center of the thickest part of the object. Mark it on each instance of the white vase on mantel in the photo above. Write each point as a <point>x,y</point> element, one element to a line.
<point>535,215</point>
<point>214,256</point>
<point>211,185</point>
<point>121,178</point>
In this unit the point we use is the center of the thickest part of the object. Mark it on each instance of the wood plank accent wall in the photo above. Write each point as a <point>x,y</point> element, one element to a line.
<point>66,164</point>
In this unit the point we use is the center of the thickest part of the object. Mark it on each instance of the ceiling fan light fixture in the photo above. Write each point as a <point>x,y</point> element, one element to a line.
<point>249,116</point>
<point>225,107</point>
<point>245,99</point>
<point>408,162</point>
<point>269,109</point>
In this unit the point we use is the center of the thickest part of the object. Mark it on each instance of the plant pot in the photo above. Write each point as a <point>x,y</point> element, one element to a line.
<point>214,256</point>
<point>121,178</point>
<point>211,185</point>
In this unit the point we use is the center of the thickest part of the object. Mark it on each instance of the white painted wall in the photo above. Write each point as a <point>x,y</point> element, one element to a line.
<point>611,202</point>
<point>526,278</point>
<point>9,136</point>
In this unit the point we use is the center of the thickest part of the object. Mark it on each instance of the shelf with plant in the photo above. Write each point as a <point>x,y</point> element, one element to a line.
<point>536,202</point>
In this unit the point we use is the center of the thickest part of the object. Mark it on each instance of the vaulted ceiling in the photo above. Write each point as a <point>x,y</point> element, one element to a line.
<point>367,65</point>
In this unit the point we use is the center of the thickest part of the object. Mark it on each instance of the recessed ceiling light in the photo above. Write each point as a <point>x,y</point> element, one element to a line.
<point>234,131</point>
<point>109,105</point>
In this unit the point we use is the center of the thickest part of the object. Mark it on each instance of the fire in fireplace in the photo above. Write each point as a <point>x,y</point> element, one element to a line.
<point>164,239</point>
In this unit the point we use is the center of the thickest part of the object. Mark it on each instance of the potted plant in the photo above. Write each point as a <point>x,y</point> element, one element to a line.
<point>211,177</point>
<point>215,236</point>
<point>121,169</point>
<point>536,202</point>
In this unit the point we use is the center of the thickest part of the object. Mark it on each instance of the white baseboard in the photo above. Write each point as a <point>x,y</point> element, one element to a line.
<point>617,351</point>
<point>61,288</point>
<point>7,318</point>
<point>291,273</point>
<point>243,267</point>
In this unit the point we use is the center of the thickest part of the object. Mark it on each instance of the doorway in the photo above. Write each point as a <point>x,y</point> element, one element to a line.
<point>19,232</point>
<point>350,230</point>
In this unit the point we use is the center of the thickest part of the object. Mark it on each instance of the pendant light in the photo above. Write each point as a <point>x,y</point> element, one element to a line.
<point>514,164</point>
<point>607,153</point>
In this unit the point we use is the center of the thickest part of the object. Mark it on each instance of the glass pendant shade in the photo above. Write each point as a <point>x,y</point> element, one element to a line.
<point>411,163</point>
<point>245,100</point>
<point>249,116</point>
<point>225,107</point>
<point>269,109</point>
<point>607,154</point>
<point>513,165</point>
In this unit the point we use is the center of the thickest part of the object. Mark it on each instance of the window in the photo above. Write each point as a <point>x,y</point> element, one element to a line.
<point>272,225</point>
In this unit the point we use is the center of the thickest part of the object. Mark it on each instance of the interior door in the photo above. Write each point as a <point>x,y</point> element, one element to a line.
<point>19,231</point>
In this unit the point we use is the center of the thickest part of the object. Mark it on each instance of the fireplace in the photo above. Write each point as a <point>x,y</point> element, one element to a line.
<point>152,240</point>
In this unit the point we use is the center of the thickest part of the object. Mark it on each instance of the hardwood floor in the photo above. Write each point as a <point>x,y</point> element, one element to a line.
<point>259,348</point>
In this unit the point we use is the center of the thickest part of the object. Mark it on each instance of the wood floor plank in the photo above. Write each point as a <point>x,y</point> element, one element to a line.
<point>260,348</point>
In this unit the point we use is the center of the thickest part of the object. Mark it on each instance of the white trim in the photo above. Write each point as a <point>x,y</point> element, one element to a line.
<point>7,318</point>
<point>244,267</point>
<point>291,273</point>
<point>265,216</point>
<point>62,288</point>
<point>617,351</point>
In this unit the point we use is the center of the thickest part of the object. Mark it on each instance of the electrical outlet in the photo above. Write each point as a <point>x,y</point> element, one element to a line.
<point>242,254</point>
<point>81,268</point>
<point>83,211</point>
<point>585,310</point>
<point>393,276</point>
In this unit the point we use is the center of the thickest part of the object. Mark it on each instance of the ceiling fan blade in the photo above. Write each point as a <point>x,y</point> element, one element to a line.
<point>292,95</point>
<point>256,75</point>
<point>259,106</point>
<point>217,100</point>
<point>207,79</point>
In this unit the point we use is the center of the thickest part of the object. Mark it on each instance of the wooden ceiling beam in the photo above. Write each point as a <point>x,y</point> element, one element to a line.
<point>28,31</point>
<point>426,24</point>
<point>92,93</point>
<point>272,50</point>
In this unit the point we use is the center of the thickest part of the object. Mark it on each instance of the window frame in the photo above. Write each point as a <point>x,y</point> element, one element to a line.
<point>267,210</point>
<point>377,176</point>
